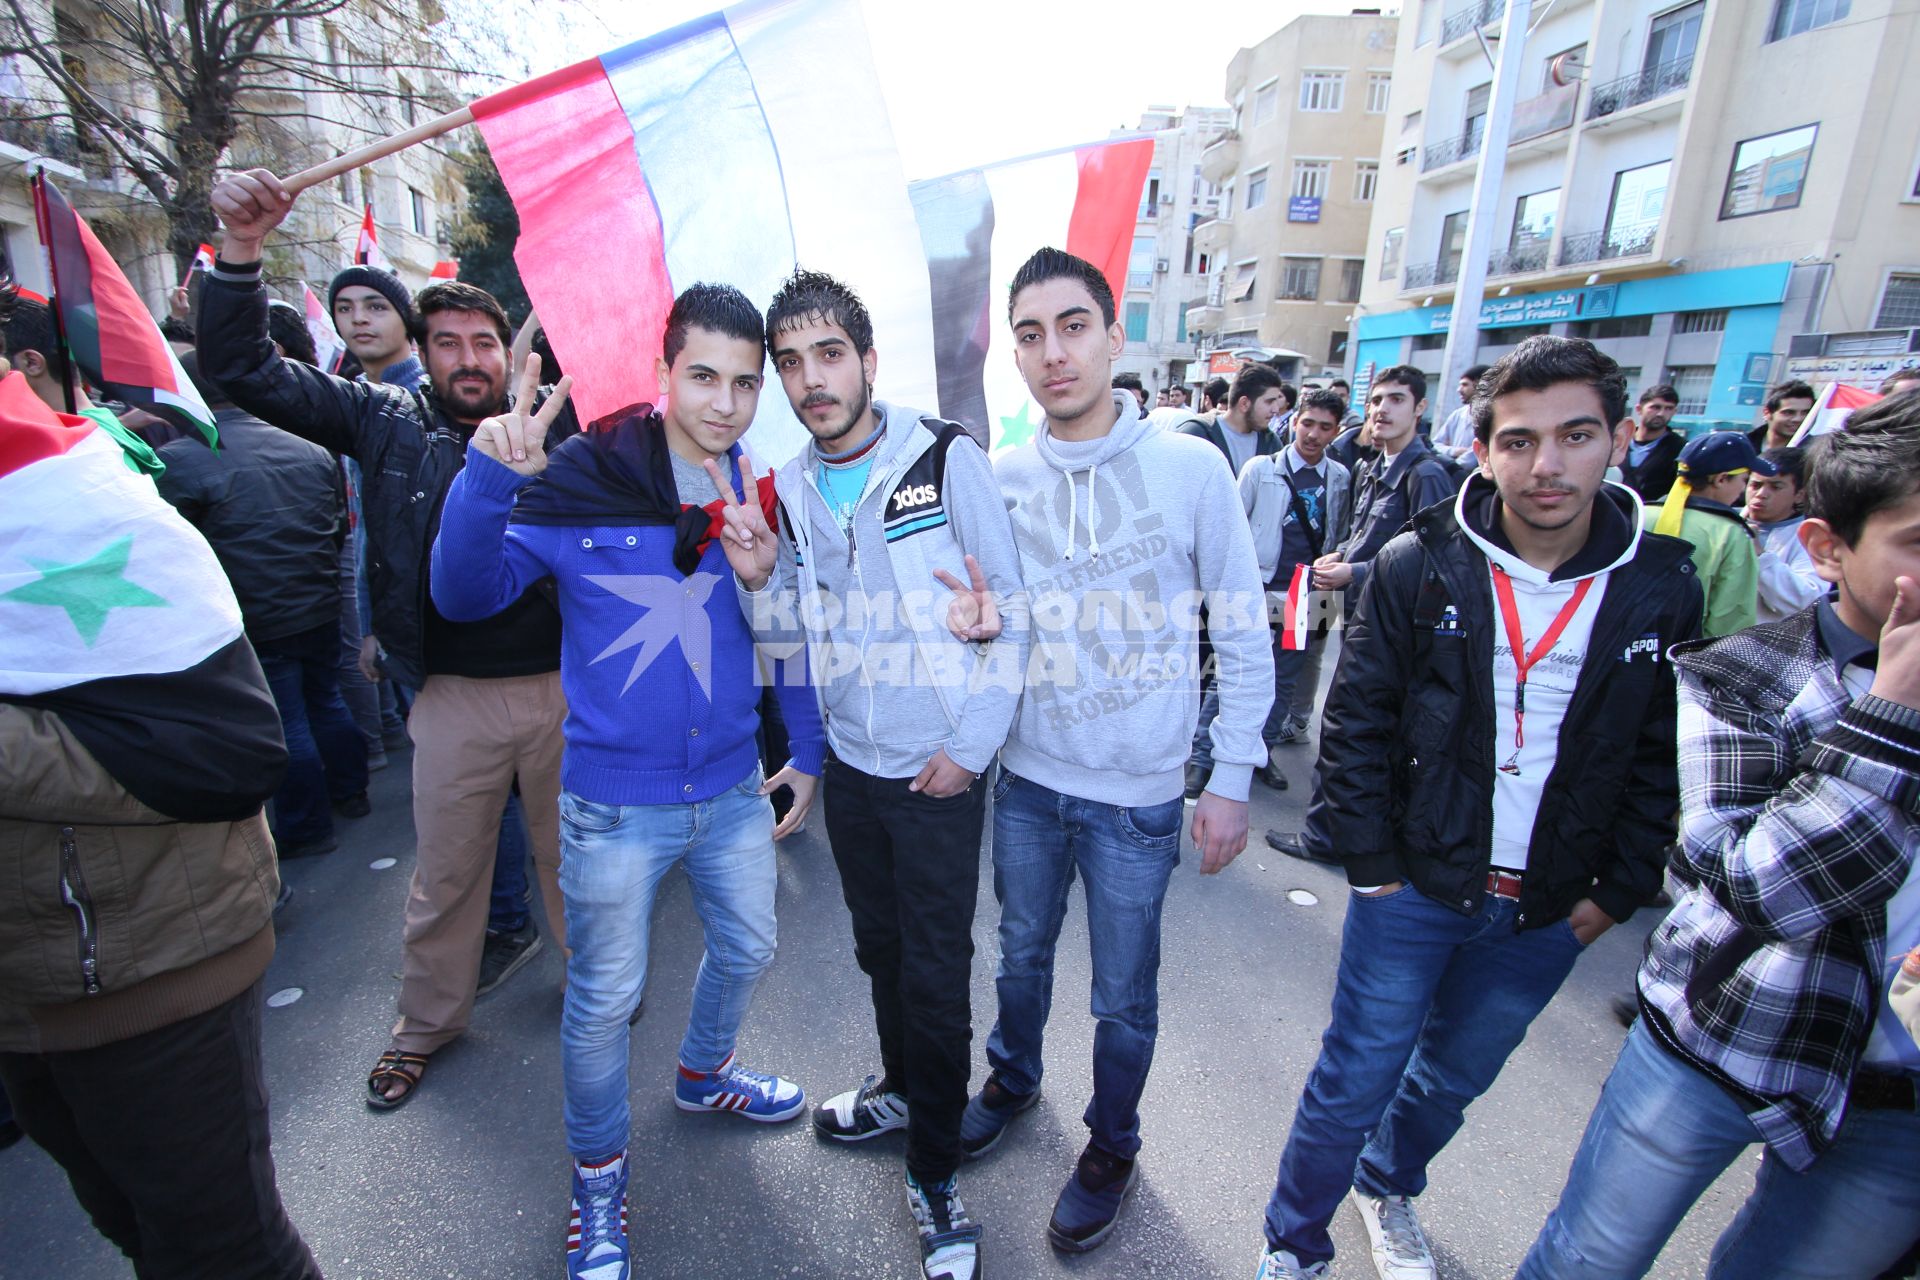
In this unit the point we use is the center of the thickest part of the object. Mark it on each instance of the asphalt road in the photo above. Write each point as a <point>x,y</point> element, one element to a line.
<point>471,1178</point>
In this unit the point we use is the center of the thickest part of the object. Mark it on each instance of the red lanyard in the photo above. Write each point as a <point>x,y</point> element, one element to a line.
<point>1522,660</point>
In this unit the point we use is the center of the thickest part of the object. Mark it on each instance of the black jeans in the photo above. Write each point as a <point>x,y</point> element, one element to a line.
<point>164,1138</point>
<point>910,870</point>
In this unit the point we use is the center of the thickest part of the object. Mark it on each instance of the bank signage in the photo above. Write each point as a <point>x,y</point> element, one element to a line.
<point>1540,308</point>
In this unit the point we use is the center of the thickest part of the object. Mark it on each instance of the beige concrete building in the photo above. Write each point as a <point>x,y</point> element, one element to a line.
<point>1164,271</point>
<point>353,92</point>
<point>1298,172</point>
<point>1718,192</point>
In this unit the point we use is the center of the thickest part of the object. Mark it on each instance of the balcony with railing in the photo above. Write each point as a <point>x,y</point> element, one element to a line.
<point>1520,260</point>
<point>1463,22</point>
<point>1212,235</point>
<point>1603,246</point>
<point>38,136</point>
<point>1455,149</point>
<point>1643,86</point>
<point>1424,275</point>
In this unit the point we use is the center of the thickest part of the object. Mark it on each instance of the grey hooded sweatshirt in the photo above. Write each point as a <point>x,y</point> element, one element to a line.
<point>1121,539</point>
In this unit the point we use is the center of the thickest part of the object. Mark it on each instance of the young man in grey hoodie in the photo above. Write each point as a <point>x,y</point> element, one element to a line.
<point>880,518</point>
<point>1123,532</point>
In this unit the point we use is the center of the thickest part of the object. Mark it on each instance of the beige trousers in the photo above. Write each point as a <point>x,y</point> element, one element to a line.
<point>470,738</point>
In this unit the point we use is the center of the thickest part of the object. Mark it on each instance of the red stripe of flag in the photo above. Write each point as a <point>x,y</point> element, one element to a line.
<point>29,430</point>
<point>1293,615</point>
<point>585,200</point>
<point>1106,205</point>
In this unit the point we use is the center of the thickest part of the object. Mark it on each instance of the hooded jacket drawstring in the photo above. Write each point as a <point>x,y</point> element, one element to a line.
<point>1073,513</point>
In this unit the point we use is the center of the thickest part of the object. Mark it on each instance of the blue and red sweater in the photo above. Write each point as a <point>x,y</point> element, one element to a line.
<point>657,661</point>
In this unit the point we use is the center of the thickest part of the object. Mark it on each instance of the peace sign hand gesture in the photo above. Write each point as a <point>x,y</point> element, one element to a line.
<point>744,535</point>
<point>973,614</point>
<point>516,440</point>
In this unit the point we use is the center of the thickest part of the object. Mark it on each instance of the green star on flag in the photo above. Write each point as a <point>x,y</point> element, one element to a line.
<point>88,589</point>
<point>1018,430</point>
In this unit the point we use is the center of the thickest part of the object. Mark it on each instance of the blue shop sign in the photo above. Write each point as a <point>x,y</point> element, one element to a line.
<point>1303,209</point>
<point>1540,308</point>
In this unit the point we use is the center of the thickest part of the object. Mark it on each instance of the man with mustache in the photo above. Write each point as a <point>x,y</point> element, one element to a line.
<point>489,704</point>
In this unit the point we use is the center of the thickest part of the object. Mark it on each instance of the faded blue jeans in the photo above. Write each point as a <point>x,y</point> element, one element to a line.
<point>1664,1131</point>
<point>1427,1006</point>
<point>1041,840</point>
<point>612,859</point>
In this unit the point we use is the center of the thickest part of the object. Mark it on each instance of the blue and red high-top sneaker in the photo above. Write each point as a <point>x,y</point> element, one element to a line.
<point>733,1088</point>
<point>597,1222</point>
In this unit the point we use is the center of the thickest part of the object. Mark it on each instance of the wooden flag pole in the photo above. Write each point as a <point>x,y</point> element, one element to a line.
<point>360,156</point>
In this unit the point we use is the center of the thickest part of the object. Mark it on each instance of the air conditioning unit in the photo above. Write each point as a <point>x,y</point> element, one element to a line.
<point>1160,265</point>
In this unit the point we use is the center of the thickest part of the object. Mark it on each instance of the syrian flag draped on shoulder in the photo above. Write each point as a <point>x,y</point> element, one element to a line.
<point>115,615</point>
<point>727,149</point>
<point>110,336</point>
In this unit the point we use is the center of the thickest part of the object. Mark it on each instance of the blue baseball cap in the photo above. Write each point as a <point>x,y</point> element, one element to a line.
<point>1717,452</point>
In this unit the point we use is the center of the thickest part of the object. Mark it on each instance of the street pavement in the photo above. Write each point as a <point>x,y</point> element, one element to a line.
<point>470,1179</point>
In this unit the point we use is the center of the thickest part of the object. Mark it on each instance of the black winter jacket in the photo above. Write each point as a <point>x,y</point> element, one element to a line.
<point>273,508</point>
<point>1657,471</point>
<point>409,451</point>
<point>1404,786</point>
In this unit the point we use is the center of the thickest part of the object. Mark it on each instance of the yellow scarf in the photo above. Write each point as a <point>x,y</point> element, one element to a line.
<point>1673,508</point>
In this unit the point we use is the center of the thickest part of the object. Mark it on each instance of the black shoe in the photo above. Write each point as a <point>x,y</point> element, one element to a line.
<point>1271,775</point>
<point>1090,1203</point>
<point>1197,780</point>
<point>354,806</point>
<point>504,955</point>
<point>1294,846</point>
<point>988,1114</point>
<point>291,849</point>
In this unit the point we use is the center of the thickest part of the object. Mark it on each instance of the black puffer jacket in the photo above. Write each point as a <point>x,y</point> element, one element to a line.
<point>272,507</point>
<point>409,451</point>
<point>1404,786</point>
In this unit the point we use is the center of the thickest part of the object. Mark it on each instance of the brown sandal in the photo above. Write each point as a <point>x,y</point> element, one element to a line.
<point>394,1065</point>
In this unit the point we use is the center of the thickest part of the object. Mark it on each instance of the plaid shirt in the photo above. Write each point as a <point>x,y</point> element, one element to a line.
<point>1800,814</point>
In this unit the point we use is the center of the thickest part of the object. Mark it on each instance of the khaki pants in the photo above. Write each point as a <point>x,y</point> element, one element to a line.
<point>470,738</point>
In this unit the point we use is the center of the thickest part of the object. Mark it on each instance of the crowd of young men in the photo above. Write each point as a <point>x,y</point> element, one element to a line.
<point>1497,774</point>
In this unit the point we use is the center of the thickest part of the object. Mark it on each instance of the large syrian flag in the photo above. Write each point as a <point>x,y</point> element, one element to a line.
<point>979,225</point>
<point>729,149</point>
<point>116,617</point>
<point>110,336</point>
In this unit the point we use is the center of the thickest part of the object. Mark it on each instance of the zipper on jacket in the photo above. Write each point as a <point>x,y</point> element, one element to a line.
<point>73,892</point>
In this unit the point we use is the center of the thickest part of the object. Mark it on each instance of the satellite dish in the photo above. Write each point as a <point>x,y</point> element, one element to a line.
<point>1564,69</point>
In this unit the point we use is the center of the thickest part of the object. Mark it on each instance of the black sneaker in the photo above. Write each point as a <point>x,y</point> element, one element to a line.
<point>504,955</point>
<point>859,1114</point>
<point>288,850</point>
<point>988,1114</point>
<point>354,806</point>
<point>1270,774</point>
<point>949,1240</point>
<point>1294,845</point>
<point>1197,780</point>
<point>1090,1203</point>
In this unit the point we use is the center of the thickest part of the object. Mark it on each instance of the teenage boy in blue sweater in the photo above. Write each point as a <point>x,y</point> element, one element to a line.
<point>661,766</point>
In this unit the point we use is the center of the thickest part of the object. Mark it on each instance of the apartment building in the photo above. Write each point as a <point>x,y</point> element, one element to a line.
<point>344,84</point>
<point>1719,193</point>
<point>1163,269</point>
<point>1283,256</point>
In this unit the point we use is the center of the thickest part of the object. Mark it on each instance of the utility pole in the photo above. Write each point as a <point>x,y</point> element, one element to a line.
<point>1463,328</point>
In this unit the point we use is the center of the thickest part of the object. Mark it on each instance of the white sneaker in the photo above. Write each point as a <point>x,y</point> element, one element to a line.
<point>1400,1249</point>
<point>1278,1264</point>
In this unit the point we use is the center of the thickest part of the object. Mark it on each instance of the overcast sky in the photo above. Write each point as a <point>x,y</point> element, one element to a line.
<point>974,83</point>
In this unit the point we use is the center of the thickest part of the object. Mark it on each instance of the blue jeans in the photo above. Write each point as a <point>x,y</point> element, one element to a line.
<point>1664,1131</point>
<point>1287,666</point>
<point>326,756</point>
<point>1041,838</point>
<point>611,863</point>
<point>1427,1006</point>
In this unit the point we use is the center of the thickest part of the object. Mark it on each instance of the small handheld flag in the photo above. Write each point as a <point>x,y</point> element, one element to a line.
<point>1293,610</point>
<point>367,252</point>
<point>109,334</point>
<point>202,261</point>
<point>327,346</point>
<point>445,269</point>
